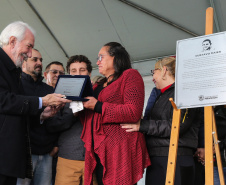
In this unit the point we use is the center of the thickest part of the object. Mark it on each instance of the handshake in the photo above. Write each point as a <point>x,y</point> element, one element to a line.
<point>54,100</point>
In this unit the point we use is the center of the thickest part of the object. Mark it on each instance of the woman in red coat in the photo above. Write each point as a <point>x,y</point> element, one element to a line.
<point>116,156</point>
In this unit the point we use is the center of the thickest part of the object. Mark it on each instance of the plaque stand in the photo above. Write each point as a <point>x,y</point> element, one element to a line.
<point>210,133</point>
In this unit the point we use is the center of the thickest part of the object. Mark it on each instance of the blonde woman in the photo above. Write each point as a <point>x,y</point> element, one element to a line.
<point>158,128</point>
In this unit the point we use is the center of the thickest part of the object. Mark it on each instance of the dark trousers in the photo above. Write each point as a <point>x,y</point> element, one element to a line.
<point>54,165</point>
<point>6,180</point>
<point>199,173</point>
<point>185,171</point>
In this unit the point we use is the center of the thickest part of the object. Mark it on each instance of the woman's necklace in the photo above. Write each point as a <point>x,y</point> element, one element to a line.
<point>109,78</point>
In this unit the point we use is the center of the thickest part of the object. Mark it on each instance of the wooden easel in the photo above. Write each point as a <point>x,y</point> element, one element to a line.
<point>172,158</point>
<point>210,133</point>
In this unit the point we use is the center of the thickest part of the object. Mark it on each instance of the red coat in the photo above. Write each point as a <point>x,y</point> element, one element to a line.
<point>123,155</point>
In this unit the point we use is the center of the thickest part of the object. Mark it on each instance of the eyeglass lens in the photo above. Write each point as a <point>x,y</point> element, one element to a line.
<point>99,58</point>
<point>56,71</point>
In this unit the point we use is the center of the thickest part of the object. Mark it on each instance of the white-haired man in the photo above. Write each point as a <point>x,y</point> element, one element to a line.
<point>17,41</point>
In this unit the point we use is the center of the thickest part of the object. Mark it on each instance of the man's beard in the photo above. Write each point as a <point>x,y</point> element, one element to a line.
<point>37,73</point>
<point>19,63</point>
<point>18,59</point>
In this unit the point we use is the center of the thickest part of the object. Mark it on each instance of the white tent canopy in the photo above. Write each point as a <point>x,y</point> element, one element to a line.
<point>147,28</point>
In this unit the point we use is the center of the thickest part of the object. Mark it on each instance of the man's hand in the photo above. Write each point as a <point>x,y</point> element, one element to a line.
<point>131,127</point>
<point>200,154</point>
<point>75,114</point>
<point>54,152</point>
<point>49,112</point>
<point>90,104</point>
<point>54,100</point>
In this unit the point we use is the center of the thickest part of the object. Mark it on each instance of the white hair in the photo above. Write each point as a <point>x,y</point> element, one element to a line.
<point>16,29</point>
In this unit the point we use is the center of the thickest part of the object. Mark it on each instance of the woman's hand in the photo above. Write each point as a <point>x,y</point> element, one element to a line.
<point>131,127</point>
<point>90,104</point>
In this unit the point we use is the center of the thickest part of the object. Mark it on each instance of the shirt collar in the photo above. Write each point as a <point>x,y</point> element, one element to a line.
<point>165,88</point>
<point>28,77</point>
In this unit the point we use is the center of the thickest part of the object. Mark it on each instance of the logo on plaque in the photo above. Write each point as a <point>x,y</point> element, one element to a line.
<point>201,98</point>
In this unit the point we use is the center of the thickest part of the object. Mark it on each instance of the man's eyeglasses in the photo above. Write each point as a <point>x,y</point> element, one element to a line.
<point>153,71</point>
<point>56,71</point>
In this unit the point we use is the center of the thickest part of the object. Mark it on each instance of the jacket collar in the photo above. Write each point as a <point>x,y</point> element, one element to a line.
<point>29,78</point>
<point>7,60</point>
<point>169,87</point>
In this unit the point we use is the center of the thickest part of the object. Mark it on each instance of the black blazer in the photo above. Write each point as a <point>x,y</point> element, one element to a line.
<point>14,108</point>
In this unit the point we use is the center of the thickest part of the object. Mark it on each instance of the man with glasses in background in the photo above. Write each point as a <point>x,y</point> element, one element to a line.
<point>53,70</point>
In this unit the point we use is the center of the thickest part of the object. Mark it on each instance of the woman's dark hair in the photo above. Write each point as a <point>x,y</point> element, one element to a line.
<point>121,61</point>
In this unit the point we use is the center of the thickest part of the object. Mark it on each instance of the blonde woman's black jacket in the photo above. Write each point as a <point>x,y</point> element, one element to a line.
<point>158,127</point>
<point>14,111</point>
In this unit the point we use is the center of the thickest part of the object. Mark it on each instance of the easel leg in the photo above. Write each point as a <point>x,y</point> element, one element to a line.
<point>208,111</point>
<point>217,150</point>
<point>172,158</point>
<point>209,116</point>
